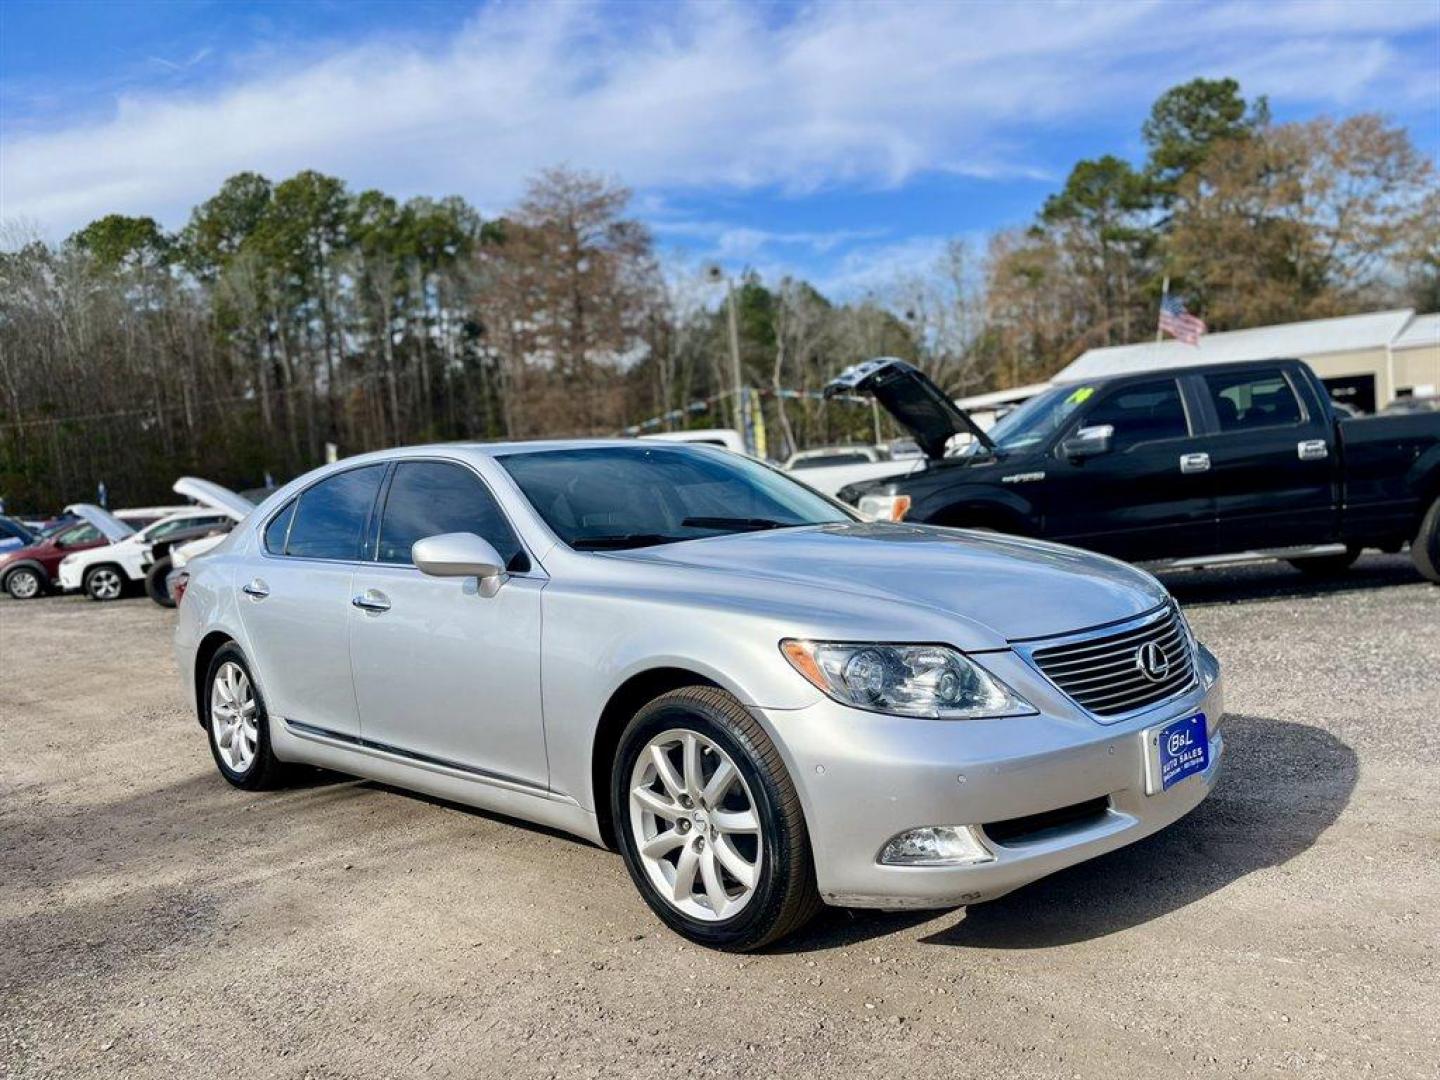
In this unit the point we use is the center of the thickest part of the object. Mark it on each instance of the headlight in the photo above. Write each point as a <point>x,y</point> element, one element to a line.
<point>884,507</point>
<point>904,680</point>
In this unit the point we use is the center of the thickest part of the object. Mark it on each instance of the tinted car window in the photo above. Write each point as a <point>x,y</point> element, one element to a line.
<point>427,498</point>
<point>331,516</point>
<point>276,530</point>
<point>1253,399</point>
<point>1142,413</point>
<point>632,496</point>
<point>167,527</point>
<point>822,460</point>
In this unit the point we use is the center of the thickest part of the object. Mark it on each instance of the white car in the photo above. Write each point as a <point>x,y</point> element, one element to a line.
<point>105,572</point>
<point>829,468</point>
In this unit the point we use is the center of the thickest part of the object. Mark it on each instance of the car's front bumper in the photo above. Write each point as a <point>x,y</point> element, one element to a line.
<point>864,778</point>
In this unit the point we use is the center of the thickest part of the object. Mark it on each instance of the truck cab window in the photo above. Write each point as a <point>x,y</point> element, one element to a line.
<point>1142,412</point>
<point>1253,399</point>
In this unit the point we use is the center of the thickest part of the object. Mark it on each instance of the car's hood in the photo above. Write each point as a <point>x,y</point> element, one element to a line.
<point>208,493</point>
<point>111,527</point>
<point>1013,587</point>
<point>909,395</point>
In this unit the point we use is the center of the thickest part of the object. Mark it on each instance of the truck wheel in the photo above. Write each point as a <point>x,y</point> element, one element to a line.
<point>1425,548</point>
<point>1326,565</point>
<point>155,582</point>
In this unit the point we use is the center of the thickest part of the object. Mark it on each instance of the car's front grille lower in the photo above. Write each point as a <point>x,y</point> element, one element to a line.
<point>1111,674</point>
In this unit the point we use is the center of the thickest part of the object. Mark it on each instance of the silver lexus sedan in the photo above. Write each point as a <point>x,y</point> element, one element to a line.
<point>764,702</point>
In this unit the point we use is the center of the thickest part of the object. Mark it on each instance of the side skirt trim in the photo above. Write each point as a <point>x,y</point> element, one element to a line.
<point>413,757</point>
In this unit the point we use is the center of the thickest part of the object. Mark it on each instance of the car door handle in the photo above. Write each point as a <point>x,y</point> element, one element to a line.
<point>1312,449</point>
<point>371,600</point>
<point>1194,463</point>
<point>256,589</point>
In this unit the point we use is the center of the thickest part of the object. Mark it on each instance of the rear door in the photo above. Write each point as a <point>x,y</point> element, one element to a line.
<point>444,675</point>
<point>1272,460</point>
<point>296,603</point>
<point>1142,499</point>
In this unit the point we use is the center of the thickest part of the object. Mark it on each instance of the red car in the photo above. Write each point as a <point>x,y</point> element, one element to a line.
<point>27,572</point>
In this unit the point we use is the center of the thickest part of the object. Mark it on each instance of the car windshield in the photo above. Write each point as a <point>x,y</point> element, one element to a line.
<point>614,497</point>
<point>1033,422</point>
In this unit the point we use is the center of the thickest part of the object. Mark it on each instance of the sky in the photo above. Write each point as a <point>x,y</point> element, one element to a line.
<point>845,142</point>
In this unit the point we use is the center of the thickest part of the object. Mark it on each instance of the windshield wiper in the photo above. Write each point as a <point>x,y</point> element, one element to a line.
<point>619,541</point>
<point>746,524</point>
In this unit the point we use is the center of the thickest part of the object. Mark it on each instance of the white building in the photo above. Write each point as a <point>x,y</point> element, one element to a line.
<point>1365,360</point>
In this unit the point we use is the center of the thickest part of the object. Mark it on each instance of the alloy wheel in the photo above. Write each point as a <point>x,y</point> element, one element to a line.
<point>232,716</point>
<point>23,584</point>
<point>105,584</point>
<point>695,825</point>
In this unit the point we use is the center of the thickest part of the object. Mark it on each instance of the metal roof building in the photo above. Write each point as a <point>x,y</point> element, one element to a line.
<point>1365,360</point>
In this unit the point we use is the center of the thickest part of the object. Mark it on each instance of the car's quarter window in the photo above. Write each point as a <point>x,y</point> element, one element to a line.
<point>622,496</point>
<point>427,498</point>
<point>1140,413</point>
<point>277,529</point>
<point>1253,399</point>
<point>330,517</point>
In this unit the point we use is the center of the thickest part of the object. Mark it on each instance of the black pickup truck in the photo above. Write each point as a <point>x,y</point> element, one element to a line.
<point>1193,463</point>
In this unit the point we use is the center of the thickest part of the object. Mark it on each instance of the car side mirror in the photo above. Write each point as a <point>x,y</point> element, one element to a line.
<point>460,554</point>
<point>1088,442</point>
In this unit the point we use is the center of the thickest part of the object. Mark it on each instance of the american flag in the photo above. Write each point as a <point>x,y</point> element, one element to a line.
<point>1179,323</point>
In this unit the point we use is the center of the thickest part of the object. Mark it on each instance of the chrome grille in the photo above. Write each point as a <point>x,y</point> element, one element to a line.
<point>1103,673</point>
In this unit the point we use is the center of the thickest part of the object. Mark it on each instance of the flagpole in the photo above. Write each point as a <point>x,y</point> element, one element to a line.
<point>1164,295</point>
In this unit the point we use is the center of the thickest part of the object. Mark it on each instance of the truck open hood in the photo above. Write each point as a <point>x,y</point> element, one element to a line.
<point>214,496</point>
<point>111,527</point>
<point>908,395</point>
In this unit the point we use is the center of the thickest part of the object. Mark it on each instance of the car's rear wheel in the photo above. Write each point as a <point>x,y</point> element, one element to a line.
<point>238,726</point>
<point>709,823</point>
<point>104,582</point>
<point>1326,565</point>
<point>1425,548</point>
<point>23,583</point>
<point>155,583</point>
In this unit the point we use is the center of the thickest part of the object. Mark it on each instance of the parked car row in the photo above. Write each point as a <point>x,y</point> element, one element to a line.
<point>104,554</point>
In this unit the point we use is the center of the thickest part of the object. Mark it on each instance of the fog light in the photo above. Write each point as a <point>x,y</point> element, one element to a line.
<point>935,845</point>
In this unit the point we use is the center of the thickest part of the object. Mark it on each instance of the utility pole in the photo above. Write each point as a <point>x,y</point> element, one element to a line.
<point>737,398</point>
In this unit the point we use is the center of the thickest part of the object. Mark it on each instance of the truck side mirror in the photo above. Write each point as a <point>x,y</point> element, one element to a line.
<point>1088,442</point>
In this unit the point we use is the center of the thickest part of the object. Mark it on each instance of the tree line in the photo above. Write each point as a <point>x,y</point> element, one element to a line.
<point>285,316</point>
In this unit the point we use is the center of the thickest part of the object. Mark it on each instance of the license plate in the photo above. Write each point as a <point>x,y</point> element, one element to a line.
<point>1179,749</point>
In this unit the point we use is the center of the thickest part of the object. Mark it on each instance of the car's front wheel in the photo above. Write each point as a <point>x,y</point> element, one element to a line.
<point>1425,548</point>
<point>104,583</point>
<point>24,583</point>
<point>238,725</point>
<point>709,823</point>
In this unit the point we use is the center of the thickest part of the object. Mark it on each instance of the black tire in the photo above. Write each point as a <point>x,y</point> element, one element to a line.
<point>97,582</point>
<point>785,896</point>
<point>25,583</point>
<point>155,585</point>
<point>1326,565</point>
<point>1425,548</point>
<point>266,771</point>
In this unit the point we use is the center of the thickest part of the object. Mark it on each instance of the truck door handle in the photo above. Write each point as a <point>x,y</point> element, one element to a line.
<point>255,589</point>
<point>1194,463</point>
<point>1312,449</point>
<point>371,600</point>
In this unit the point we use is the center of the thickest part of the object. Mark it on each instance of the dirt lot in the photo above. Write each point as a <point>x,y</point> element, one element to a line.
<point>154,922</point>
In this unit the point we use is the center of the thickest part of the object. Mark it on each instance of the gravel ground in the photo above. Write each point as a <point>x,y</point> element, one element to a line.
<point>155,922</point>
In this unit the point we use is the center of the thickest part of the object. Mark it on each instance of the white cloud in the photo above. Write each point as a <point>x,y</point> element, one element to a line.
<point>702,96</point>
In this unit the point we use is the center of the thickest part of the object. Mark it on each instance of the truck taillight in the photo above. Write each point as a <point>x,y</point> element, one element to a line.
<point>177,590</point>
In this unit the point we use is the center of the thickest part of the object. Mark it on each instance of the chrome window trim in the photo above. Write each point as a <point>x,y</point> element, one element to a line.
<point>536,571</point>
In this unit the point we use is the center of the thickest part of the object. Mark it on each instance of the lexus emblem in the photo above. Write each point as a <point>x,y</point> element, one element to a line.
<point>1152,662</point>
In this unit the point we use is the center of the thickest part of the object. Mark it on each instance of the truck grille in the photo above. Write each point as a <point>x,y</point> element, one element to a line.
<point>1105,674</point>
